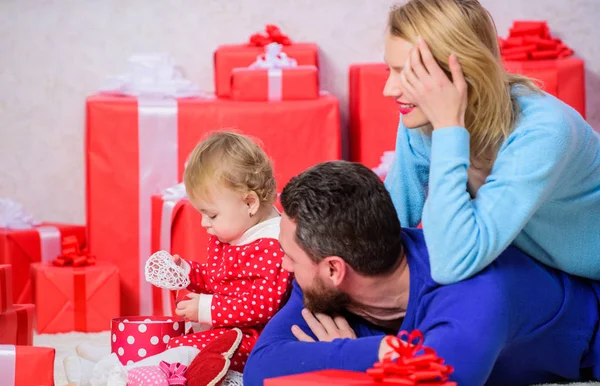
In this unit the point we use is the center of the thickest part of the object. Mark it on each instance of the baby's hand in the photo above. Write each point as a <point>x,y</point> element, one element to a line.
<point>177,260</point>
<point>188,309</point>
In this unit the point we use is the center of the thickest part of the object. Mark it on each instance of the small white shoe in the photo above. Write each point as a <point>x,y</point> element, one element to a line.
<point>92,353</point>
<point>78,370</point>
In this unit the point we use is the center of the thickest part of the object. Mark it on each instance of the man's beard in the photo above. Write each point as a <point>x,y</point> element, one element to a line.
<point>320,299</point>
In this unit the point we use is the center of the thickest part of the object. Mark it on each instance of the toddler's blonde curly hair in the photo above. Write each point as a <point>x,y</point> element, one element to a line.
<point>234,160</point>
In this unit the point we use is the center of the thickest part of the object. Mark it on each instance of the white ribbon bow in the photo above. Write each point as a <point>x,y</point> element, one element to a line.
<point>13,216</point>
<point>174,193</point>
<point>273,58</point>
<point>385,163</point>
<point>152,75</point>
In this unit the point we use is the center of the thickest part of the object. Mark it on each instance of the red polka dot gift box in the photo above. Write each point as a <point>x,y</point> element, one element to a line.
<point>134,338</point>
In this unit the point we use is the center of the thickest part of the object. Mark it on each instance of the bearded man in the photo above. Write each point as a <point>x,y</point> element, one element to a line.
<point>359,276</point>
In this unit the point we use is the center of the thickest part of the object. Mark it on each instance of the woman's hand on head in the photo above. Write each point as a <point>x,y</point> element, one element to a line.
<point>443,101</point>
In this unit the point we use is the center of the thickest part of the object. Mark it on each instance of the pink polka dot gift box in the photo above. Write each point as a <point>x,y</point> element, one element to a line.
<point>134,338</point>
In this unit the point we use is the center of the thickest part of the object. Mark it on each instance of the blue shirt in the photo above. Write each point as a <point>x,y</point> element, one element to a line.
<point>543,193</point>
<point>516,323</point>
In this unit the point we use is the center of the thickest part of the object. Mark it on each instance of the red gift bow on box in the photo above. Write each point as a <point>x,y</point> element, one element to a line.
<point>274,35</point>
<point>411,369</point>
<point>175,372</point>
<point>72,255</point>
<point>531,40</point>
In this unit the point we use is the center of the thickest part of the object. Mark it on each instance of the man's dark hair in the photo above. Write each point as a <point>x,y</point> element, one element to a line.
<point>343,209</point>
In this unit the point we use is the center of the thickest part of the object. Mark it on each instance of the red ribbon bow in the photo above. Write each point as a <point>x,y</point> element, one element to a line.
<point>72,255</point>
<point>175,372</point>
<point>531,40</point>
<point>411,369</point>
<point>273,35</point>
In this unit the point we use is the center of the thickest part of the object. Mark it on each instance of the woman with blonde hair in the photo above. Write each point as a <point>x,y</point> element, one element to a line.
<point>484,158</point>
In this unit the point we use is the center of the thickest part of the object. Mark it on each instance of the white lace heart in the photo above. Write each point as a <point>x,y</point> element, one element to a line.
<point>162,272</point>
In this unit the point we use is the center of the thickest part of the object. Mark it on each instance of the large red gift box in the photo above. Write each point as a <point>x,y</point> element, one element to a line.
<point>23,247</point>
<point>75,298</point>
<point>138,148</point>
<point>228,57</point>
<point>532,51</point>
<point>296,83</point>
<point>177,229</point>
<point>373,118</point>
<point>324,377</point>
<point>26,366</point>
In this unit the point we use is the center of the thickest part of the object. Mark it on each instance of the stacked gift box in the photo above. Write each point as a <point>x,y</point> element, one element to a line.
<point>20,364</point>
<point>16,320</point>
<point>138,139</point>
<point>532,51</point>
<point>49,266</point>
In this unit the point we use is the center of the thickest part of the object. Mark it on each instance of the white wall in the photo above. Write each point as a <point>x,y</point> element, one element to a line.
<point>55,52</point>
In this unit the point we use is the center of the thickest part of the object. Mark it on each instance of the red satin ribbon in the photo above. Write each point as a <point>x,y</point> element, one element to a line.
<point>72,256</point>
<point>5,288</point>
<point>24,326</point>
<point>411,368</point>
<point>175,372</point>
<point>273,35</point>
<point>531,40</point>
<point>79,300</point>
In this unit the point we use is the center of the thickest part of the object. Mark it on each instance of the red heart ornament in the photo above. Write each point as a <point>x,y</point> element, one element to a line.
<point>211,364</point>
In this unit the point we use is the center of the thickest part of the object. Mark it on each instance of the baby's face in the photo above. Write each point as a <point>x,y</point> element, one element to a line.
<point>225,214</point>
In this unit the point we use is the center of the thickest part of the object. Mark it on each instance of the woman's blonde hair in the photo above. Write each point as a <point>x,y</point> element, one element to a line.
<point>465,28</point>
<point>233,160</point>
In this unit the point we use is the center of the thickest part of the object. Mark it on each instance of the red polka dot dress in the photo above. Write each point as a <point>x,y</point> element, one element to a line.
<point>241,285</point>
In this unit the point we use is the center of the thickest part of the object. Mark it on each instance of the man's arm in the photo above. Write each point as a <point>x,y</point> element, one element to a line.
<point>278,352</point>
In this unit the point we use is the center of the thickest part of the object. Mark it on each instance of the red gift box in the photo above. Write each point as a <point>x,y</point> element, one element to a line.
<point>25,321</point>
<point>22,247</point>
<point>176,228</point>
<point>6,287</point>
<point>26,366</point>
<point>228,57</point>
<point>324,377</point>
<point>75,298</point>
<point>8,327</point>
<point>564,78</point>
<point>16,325</point>
<point>138,148</point>
<point>373,118</point>
<point>137,337</point>
<point>530,50</point>
<point>296,83</point>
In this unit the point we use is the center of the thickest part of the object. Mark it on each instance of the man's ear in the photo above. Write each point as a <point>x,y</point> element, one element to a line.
<point>252,201</point>
<point>336,269</point>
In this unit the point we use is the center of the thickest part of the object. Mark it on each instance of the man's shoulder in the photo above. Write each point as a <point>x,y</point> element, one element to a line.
<point>509,276</point>
<point>415,250</point>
